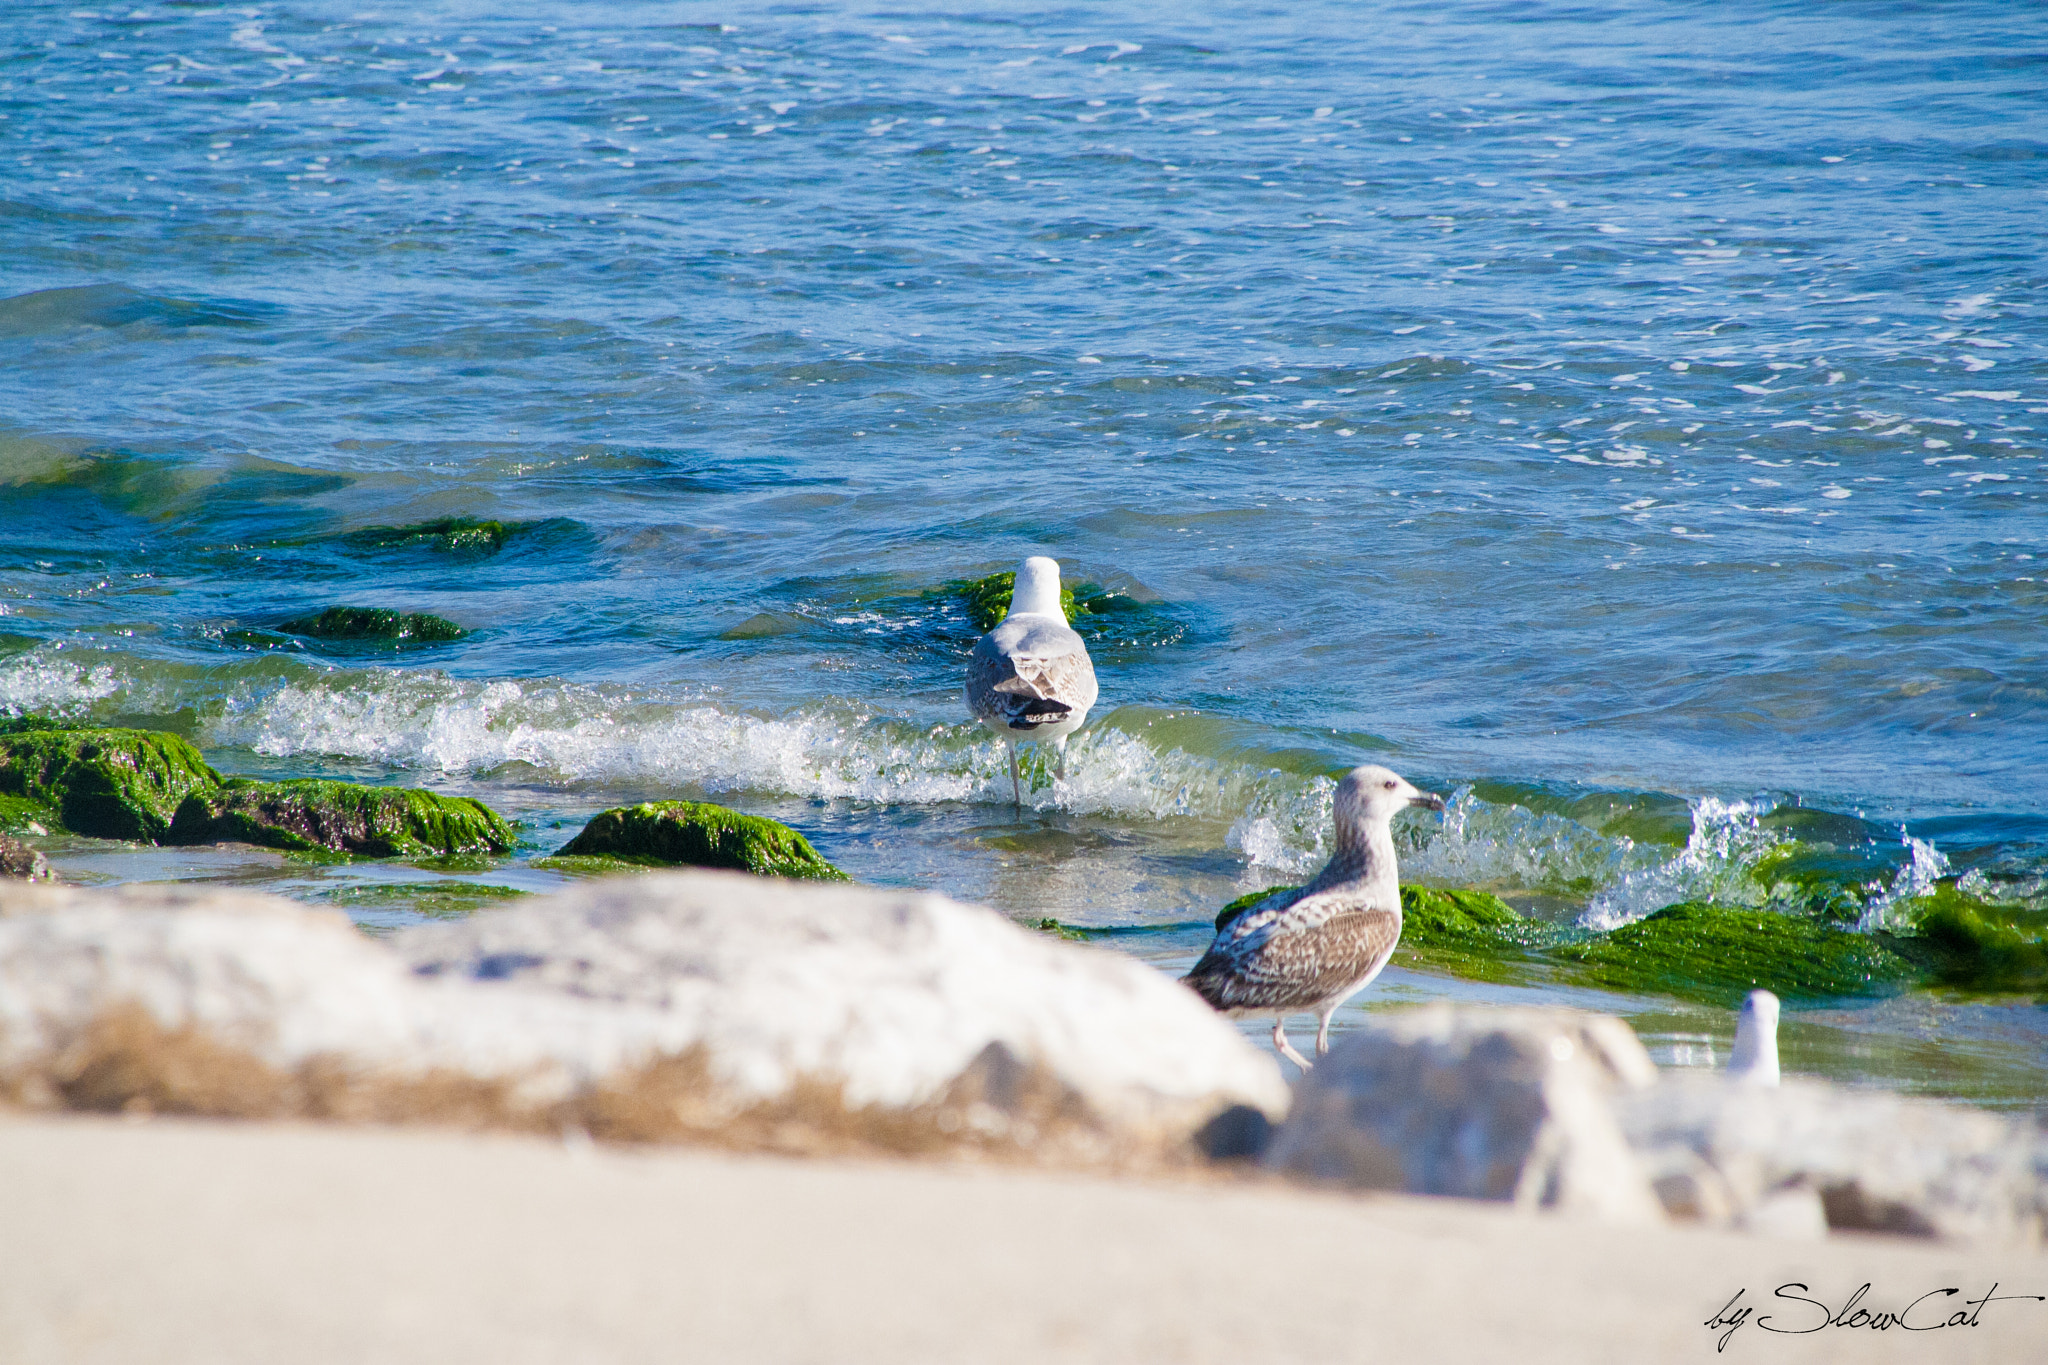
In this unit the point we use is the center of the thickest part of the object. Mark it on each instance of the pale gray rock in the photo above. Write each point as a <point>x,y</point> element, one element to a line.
<point>1804,1156</point>
<point>1502,1104</point>
<point>895,992</point>
<point>896,998</point>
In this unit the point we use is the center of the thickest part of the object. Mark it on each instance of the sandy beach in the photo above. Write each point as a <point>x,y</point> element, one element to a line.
<point>180,1241</point>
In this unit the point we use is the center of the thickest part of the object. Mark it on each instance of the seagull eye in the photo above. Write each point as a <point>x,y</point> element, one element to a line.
<point>1389,786</point>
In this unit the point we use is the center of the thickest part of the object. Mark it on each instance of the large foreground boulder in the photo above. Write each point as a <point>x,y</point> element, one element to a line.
<point>1816,1157</point>
<point>1505,1104</point>
<point>708,1006</point>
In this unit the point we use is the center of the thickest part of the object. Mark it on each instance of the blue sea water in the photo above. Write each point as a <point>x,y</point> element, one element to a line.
<point>1625,417</point>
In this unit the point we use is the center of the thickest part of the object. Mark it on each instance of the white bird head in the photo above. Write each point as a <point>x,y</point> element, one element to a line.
<point>1372,795</point>
<point>1754,1057</point>
<point>1038,588</point>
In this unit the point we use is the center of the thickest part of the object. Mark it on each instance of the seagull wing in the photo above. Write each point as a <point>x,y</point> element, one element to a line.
<point>1296,957</point>
<point>1028,672</point>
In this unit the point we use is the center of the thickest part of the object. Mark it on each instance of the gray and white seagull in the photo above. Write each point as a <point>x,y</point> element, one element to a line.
<point>1030,677</point>
<point>1309,949</point>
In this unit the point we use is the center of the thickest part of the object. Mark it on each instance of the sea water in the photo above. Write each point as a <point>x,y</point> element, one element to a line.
<point>1624,418</point>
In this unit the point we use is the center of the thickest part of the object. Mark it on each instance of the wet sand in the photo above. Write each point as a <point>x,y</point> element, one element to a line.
<point>175,1241</point>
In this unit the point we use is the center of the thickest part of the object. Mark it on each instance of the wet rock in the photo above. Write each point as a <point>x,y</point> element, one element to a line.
<point>22,863</point>
<point>699,834</point>
<point>1969,942</point>
<point>987,599</point>
<point>104,783</point>
<point>702,1005</point>
<point>1718,954</point>
<point>341,817</point>
<point>1503,1104</point>
<point>445,535</point>
<point>377,624</point>
<point>1804,1157</point>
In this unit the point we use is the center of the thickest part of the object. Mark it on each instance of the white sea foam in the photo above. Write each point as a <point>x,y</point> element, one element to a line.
<point>1728,839</point>
<point>1924,866</point>
<point>54,685</point>
<point>577,733</point>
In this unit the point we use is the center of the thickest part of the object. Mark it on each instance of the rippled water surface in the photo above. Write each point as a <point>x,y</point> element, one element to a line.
<point>1627,417</point>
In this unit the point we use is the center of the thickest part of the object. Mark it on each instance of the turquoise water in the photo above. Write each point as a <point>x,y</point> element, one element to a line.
<point>1626,418</point>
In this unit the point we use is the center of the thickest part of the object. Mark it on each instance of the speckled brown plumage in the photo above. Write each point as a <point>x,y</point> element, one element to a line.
<point>1310,950</point>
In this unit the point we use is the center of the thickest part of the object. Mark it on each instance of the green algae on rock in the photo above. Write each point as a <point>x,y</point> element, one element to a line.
<point>20,815</point>
<point>103,783</point>
<point>1718,954</point>
<point>987,598</point>
<point>29,722</point>
<point>375,623</point>
<point>445,534</point>
<point>699,834</point>
<point>1964,941</point>
<point>450,899</point>
<point>310,815</point>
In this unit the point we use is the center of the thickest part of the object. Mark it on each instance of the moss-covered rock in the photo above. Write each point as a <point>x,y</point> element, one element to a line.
<point>987,599</point>
<point>449,899</point>
<point>1718,954</point>
<point>699,834</point>
<point>1964,941</point>
<point>340,817</point>
<point>107,784</point>
<point>29,722</point>
<point>375,623</point>
<point>1059,930</point>
<point>19,815</point>
<point>1446,917</point>
<point>447,535</point>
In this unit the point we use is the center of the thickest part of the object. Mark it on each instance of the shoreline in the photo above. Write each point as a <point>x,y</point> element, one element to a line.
<point>179,1240</point>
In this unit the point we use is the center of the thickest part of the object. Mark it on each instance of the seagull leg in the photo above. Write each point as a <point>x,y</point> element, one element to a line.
<point>1016,791</point>
<point>1060,765</point>
<point>1323,1033</point>
<point>1287,1048</point>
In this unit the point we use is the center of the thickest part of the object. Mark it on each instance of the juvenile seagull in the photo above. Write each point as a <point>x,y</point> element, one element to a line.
<point>1755,1055</point>
<point>1308,950</point>
<point>1030,677</point>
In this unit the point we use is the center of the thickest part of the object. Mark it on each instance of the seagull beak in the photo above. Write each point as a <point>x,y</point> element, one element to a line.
<point>1428,801</point>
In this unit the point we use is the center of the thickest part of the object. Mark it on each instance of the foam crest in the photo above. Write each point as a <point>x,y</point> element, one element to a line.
<point>1511,847</point>
<point>578,733</point>
<point>1728,839</point>
<point>54,686</point>
<point>571,732</point>
<point>1924,866</point>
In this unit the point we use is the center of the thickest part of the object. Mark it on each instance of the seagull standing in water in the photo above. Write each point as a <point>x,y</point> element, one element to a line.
<point>1030,677</point>
<point>1308,950</point>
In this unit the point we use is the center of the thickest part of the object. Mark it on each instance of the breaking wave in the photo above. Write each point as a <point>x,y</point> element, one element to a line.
<point>576,735</point>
